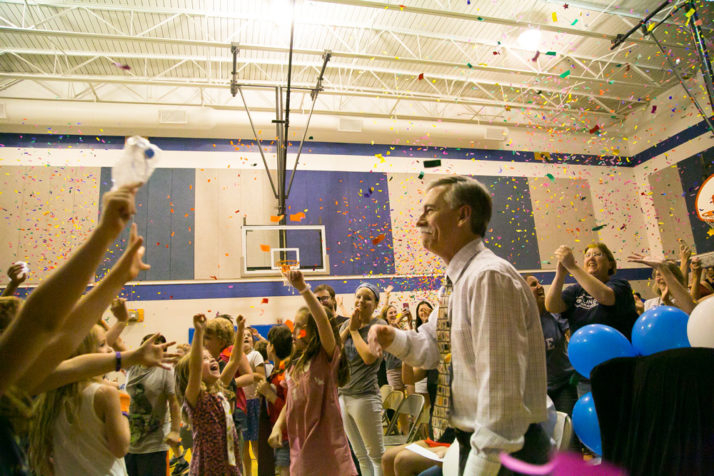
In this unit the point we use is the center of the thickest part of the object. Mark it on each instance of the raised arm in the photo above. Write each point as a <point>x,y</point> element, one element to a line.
<point>679,291</point>
<point>87,312</point>
<point>596,288</point>
<point>684,254</point>
<point>45,311</point>
<point>17,277</point>
<point>695,292</point>
<point>86,366</point>
<point>237,356</point>
<point>118,308</point>
<point>324,327</point>
<point>195,363</point>
<point>554,297</point>
<point>367,355</point>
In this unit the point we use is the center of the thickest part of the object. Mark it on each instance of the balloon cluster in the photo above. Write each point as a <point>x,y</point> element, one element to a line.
<point>660,328</point>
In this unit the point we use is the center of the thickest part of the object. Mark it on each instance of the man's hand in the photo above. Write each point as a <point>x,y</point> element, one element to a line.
<point>118,309</point>
<point>379,338</point>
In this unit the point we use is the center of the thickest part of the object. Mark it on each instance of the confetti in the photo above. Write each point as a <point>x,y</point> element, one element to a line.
<point>378,239</point>
<point>421,175</point>
<point>555,17</point>
<point>432,163</point>
<point>264,301</point>
<point>302,334</point>
<point>594,129</point>
<point>550,53</point>
<point>265,248</point>
<point>297,216</point>
<point>654,109</point>
<point>550,177</point>
<point>535,58</point>
<point>574,22</point>
<point>276,218</point>
<point>565,74</point>
<point>599,227</point>
<point>421,76</point>
<point>125,67</point>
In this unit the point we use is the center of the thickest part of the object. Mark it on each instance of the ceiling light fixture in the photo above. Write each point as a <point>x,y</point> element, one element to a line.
<point>529,39</point>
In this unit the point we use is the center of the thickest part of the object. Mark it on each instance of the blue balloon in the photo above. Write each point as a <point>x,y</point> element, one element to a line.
<point>660,328</point>
<point>586,425</point>
<point>594,344</point>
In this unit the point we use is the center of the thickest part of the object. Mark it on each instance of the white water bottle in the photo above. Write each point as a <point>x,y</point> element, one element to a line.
<point>137,162</point>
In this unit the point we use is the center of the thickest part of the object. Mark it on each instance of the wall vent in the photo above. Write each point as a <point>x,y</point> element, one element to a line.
<point>173,116</point>
<point>349,125</point>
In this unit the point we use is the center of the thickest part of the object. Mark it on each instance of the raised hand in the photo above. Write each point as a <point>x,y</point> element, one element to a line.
<point>17,274</point>
<point>119,310</point>
<point>118,207</point>
<point>131,262</point>
<point>295,278</point>
<point>684,251</point>
<point>151,354</point>
<point>240,322</point>
<point>565,257</point>
<point>650,261</point>
<point>199,322</point>
<point>355,320</point>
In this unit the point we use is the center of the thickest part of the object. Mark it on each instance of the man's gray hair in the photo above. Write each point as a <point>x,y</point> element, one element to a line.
<point>468,191</point>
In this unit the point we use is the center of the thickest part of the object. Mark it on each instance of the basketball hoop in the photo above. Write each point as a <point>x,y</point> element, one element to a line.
<point>704,203</point>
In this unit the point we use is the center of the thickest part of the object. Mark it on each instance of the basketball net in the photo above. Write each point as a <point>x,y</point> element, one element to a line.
<point>286,265</point>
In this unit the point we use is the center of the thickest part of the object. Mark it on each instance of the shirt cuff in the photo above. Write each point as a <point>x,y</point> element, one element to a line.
<point>478,464</point>
<point>399,346</point>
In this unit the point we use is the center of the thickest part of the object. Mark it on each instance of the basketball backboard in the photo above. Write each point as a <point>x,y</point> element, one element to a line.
<point>268,248</point>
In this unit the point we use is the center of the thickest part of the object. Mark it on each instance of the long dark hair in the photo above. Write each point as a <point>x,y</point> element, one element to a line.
<point>419,322</point>
<point>300,358</point>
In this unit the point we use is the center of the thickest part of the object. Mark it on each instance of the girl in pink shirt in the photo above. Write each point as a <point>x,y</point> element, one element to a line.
<point>318,444</point>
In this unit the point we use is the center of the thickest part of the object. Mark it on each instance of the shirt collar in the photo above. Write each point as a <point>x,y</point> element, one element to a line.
<point>463,257</point>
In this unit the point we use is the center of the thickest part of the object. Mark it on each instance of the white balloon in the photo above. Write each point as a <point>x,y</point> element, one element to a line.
<point>700,327</point>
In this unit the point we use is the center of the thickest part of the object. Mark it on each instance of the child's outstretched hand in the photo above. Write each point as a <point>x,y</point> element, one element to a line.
<point>131,262</point>
<point>118,207</point>
<point>199,322</point>
<point>118,309</point>
<point>240,322</point>
<point>295,278</point>
<point>151,354</point>
<point>276,437</point>
<point>17,274</point>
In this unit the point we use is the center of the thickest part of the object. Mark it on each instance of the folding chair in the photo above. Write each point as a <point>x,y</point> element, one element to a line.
<point>390,404</point>
<point>384,390</point>
<point>563,431</point>
<point>413,406</point>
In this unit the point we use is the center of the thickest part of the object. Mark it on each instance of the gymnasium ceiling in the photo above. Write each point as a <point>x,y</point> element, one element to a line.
<point>433,60</point>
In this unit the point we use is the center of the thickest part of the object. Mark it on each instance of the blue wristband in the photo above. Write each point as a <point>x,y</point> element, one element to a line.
<point>118,367</point>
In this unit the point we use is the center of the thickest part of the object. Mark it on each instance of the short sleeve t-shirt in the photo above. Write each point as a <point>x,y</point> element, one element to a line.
<point>255,359</point>
<point>583,309</point>
<point>558,365</point>
<point>149,389</point>
<point>363,377</point>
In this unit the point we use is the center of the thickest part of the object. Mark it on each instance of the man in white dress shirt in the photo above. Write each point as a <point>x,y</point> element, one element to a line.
<point>498,371</point>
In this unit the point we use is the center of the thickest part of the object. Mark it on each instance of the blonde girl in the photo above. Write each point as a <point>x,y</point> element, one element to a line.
<point>79,428</point>
<point>215,441</point>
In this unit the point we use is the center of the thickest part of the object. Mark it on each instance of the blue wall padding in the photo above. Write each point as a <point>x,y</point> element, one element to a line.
<point>354,206</point>
<point>165,218</point>
<point>693,172</point>
<point>514,236</point>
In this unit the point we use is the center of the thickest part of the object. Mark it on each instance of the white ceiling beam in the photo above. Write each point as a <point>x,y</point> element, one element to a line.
<point>331,65</point>
<point>480,18</point>
<point>354,91</point>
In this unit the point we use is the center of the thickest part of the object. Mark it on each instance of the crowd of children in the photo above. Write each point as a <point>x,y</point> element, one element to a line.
<point>317,383</point>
